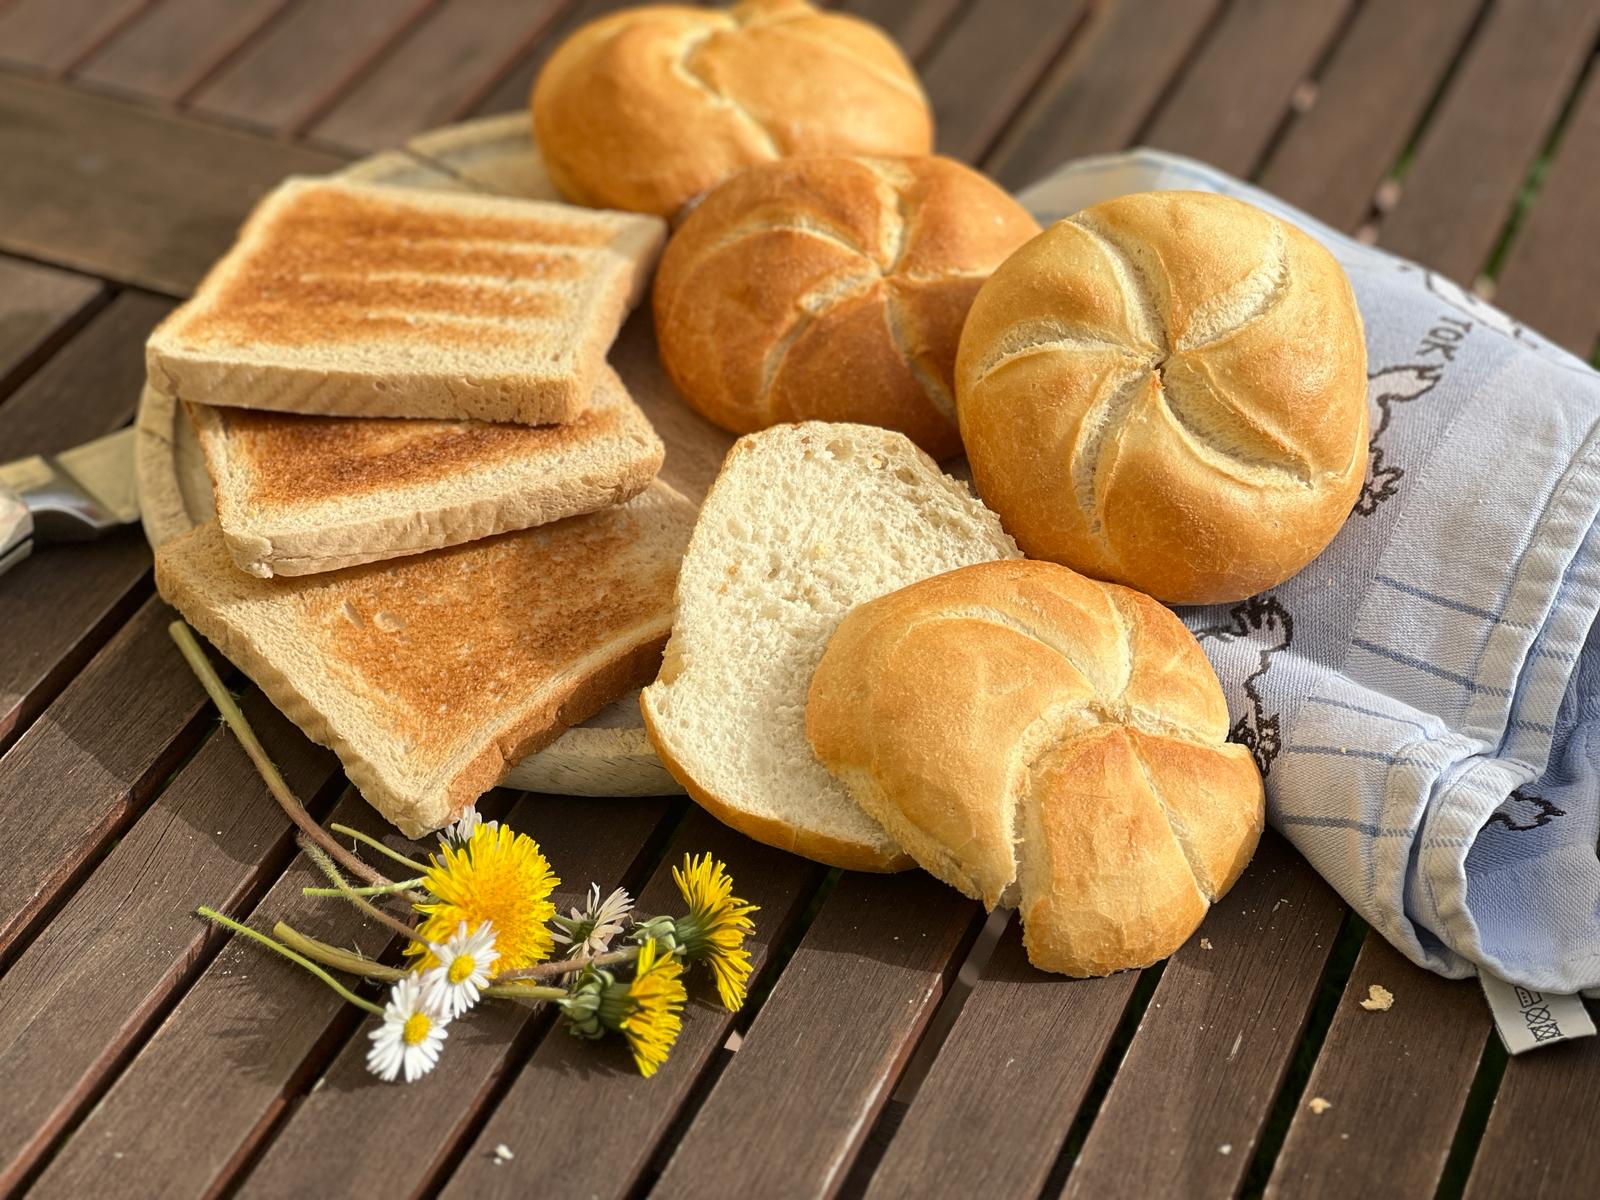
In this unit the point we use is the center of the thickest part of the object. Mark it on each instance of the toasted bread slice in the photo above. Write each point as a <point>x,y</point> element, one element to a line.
<point>805,522</point>
<point>430,676</point>
<point>297,494</point>
<point>361,300</point>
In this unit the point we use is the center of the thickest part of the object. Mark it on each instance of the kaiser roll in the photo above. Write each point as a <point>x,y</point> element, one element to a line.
<point>832,289</point>
<point>649,107</point>
<point>1036,738</point>
<point>1168,390</point>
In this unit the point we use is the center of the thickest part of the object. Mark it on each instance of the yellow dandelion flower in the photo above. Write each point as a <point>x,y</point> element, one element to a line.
<point>716,925</point>
<point>655,1002</point>
<point>498,876</point>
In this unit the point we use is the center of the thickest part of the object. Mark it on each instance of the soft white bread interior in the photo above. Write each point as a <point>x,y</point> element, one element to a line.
<point>1037,738</point>
<point>360,300</point>
<point>430,676</point>
<point>299,494</point>
<point>804,522</point>
<point>1168,390</point>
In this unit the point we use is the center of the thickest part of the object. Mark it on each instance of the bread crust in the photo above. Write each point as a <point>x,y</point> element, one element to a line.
<point>832,289</point>
<point>1168,390</point>
<point>1032,736</point>
<point>647,108</point>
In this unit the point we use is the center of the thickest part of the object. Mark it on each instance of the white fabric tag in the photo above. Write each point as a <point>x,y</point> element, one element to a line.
<point>1526,1018</point>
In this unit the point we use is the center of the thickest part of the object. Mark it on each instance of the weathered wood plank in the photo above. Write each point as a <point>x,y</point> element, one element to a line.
<point>166,50</point>
<point>60,604</point>
<point>82,188</point>
<point>37,305</point>
<point>792,1109</point>
<point>1397,1082</point>
<point>1234,96</point>
<point>53,34</point>
<point>1540,1140</point>
<point>78,999</point>
<point>1186,1108</point>
<point>1551,276</point>
<point>577,1118</point>
<point>444,63</point>
<point>1093,102</point>
<point>214,1074</point>
<point>986,64</point>
<point>292,69</point>
<point>1021,1033</point>
<point>196,1054</point>
<point>513,89</point>
<point>1477,150</point>
<point>913,23</point>
<point>326,1146</point>
<point>87,772</point>
<point>1367,103</point>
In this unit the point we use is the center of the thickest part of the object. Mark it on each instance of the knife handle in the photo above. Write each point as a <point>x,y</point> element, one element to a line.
<point>16,529</point>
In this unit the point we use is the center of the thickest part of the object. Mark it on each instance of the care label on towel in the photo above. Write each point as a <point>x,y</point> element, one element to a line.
<point>1526,1018</point>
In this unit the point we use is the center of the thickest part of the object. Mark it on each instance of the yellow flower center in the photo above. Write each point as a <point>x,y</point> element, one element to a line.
<point>501,877</point>
<point>416,1028</point>
<point>462,968</point>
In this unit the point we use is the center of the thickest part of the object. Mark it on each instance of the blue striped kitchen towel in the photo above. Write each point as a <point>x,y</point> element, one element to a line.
<point>1424,699</point>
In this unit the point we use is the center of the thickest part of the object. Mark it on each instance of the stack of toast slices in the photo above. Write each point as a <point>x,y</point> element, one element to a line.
<point>439,539</point>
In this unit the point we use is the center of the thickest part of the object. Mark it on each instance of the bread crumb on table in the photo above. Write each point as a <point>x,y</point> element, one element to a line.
<point>1379,999</point>
<point>1205,944</point>
<point>502,1153</point>
<point>1318,1105</point>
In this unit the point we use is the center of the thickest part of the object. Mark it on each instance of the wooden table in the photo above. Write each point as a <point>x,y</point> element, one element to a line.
<point>142,1055</point>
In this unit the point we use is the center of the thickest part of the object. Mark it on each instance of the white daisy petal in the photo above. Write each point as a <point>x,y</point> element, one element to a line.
<point>465,968</point>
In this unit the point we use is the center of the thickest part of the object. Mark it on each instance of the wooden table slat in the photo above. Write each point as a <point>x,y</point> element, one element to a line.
<point>1475,154</point>
<point>577,1118</point>
<point>291,71</point>
<point>794,1106</point>
<point>914,24</point>
<point>1233,97</point>
<point>433,75</point>
<point>73,1003</point>
<point>127,192</point>
<point>38,306</point>
<point>1021,1033</point>
<point>1370,98</point>
<point>1397,1082</point>
<point>326,1148</point>
<point>1552,267</point>
<point>511,91</point>
<point>1214,1045</point>
<point>1540,1140</point>
<point>985,65</point>
<point>213,1076</point>
<point>168,49</point>
<point>88,772</point>
<point>61,603</point>
<point>53,34</point>
<point>1092,103</point>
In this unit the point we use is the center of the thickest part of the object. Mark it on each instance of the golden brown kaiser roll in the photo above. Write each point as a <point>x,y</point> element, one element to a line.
<point>1036,738</point>
<point>649,107</point>
<point>1168,390</point>
<point>832,289</point>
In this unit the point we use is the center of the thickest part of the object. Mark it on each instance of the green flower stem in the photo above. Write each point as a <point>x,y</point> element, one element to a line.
<point>231,713</point>
<point>377,845</point>
<point>325,864</point>
<point>217,918</point>
<point>403,885</point>
<point>523,991</point>
<point>333,956</point>
<point>570,966</point>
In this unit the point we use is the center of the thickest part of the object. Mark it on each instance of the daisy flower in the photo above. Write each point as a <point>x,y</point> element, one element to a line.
<point>460,832</point>
<point>409,1039</point>
<point>591,929</point>
<point>463,971</point>
<point>716,925</point>
<point>501,877</point>
<point>654,1004</point>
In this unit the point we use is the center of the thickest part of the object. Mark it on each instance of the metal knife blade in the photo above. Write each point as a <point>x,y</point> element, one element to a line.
<point>68,497</point>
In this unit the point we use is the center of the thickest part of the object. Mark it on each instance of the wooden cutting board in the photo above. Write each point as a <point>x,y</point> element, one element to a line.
<point>609,754</point>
